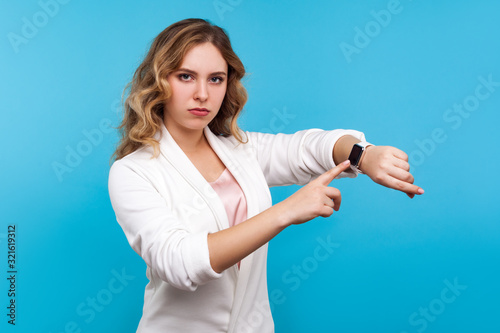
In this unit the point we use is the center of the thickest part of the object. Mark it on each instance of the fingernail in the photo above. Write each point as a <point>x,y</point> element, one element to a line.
<point>346,162</point>
<point>420,191</point>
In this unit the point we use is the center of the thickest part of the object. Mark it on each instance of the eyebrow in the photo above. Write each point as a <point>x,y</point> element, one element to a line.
<point>193,72</point>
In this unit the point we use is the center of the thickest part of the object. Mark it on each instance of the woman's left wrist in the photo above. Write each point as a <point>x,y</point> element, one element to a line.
<point>361,165</point>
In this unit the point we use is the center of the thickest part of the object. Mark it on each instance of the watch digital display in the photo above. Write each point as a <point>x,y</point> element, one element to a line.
<point>355,155</point>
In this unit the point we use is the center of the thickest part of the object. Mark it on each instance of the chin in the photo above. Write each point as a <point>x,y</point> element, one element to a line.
<point>197,125</point>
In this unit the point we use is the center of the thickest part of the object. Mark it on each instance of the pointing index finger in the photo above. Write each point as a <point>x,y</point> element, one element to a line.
<point>330,175</point>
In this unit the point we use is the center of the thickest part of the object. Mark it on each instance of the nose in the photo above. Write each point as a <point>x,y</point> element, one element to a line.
<point>201,92</point>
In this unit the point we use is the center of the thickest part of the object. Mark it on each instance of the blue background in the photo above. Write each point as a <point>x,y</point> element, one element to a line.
<point>393,256</point>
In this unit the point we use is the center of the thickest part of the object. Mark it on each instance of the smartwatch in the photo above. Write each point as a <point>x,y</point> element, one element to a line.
<point>356,154</point>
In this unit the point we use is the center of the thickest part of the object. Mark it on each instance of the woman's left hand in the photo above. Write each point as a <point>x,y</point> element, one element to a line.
<point>388,166</point>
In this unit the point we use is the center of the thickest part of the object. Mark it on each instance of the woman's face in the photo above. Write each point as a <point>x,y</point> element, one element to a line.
<point>198,89</point>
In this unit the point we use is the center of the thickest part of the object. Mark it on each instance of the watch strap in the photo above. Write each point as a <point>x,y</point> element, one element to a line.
<point>363,145</point>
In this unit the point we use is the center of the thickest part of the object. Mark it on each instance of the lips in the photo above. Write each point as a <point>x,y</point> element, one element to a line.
<point>199,111</point>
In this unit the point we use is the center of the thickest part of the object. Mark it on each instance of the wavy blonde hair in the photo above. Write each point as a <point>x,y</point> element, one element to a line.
<point>149,90</point>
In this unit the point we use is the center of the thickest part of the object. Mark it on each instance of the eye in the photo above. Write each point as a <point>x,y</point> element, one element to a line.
<point>185,77</point>
<point>217,79</point>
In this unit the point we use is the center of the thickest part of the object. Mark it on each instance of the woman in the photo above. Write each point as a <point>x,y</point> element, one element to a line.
<point>191,190</point>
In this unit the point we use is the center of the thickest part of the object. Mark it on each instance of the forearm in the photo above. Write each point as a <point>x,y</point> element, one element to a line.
<point>343,148</point>
<point>317,198</point>
<point>227,247</point>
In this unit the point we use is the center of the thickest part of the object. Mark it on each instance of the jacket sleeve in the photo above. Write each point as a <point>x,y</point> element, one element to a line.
<point>297,158</point>
<point>178,256</point>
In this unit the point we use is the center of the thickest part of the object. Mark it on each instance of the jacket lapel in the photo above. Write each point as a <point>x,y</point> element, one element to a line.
<point>179,160</point>
<point>235,162</point>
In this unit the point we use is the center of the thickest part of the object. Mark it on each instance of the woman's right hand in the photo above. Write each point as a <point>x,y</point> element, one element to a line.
<point>230,245</point>
<point>314,199</point>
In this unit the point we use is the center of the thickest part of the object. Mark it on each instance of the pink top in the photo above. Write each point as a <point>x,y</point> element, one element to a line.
<point>232,196</point>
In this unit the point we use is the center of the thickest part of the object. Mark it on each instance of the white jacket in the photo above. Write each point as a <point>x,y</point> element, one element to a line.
<point>166,209</point>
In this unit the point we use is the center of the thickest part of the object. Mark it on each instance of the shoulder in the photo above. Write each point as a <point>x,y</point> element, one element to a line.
<point>249,138</point>
<point>138,164</point>
<point>253,142</point>
<point>141,156</point>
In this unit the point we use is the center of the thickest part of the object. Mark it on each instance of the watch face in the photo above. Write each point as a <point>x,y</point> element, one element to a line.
<point>355,155</point>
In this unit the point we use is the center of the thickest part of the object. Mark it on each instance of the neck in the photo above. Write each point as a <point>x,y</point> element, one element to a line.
<point>189,141</point>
